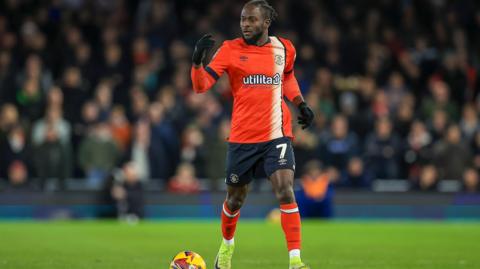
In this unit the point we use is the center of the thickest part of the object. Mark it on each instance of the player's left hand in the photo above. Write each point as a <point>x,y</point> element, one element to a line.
<point>201,48</point>
<point>306,115</point>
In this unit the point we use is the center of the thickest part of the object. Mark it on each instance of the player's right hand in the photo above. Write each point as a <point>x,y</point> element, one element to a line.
<point>202,47</point>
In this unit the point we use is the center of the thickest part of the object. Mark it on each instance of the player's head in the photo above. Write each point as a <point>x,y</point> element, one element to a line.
<point>256,18</point>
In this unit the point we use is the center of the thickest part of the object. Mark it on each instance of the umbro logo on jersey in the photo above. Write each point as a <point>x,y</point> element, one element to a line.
<point>243,58</point>
<point>262,80</point>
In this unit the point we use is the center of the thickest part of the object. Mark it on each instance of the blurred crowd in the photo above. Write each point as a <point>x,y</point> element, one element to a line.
<point>89,86</point>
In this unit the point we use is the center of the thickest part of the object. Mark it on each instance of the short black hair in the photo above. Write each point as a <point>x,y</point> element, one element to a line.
<point>268,11</point>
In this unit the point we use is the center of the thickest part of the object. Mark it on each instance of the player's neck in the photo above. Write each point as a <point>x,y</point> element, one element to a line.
<point>264,39</point>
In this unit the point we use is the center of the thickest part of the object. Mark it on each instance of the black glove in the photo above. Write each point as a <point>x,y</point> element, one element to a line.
<point>306,115</point>
<point>201,48</point>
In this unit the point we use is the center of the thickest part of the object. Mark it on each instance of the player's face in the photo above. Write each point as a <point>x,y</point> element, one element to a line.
<point>252,23</point>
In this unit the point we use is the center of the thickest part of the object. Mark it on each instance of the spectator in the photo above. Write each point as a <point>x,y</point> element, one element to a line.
<point>139,103</point>
<point>469,122</point>
<point>98,154</point>
<point>140,51</point>
<point>30,100</point>
<point>361,120</point>
<point>380,105</point>
<point>7,77</point>
<point>55,97</point>
<point>103,98</point>
<point>455,77</point>
<point>367,88</point>
<point>438,125</point>
<point>143,155</point>
<point>395,90</point>
<point>74,92</point>
<point>72,38</point>
<point>52,156</point>
<point>439,100</point>
<point>323,91</point>
<point>470,181</point>
<point>163,140</point>
<point>348,106</point>
<point>419,148</point>
<point>476,150</point>
<point>35,70</point>
<point>193,150</point>
<point>340,144</point>
<point>81,129</point>
<point>181,83</point>
<point>217,151</point>
<point>53,119</point>
<point>209,114</point>
<point>383,150</point>
<point>84,61</point>
<point>184,180</point>
<point>18,177</point>
<point>174,107</point>
<point>451,155</point>
<point>8,119</point>
<point>428,178</point>
<point>404,116</point>
<point>315,199</point>
<point>356,175</point>
<point>14,148</point>
<point>146,77</point>
<point>120,128</point>
<point>305,143</point>
<point>114,67</point>
<point>128,194</point>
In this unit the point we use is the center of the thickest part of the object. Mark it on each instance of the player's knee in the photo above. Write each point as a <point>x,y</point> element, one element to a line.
<point>234,203</point>
<point>285,195</point>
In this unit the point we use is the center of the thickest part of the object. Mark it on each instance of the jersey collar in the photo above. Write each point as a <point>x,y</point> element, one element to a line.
<point>266,43</point>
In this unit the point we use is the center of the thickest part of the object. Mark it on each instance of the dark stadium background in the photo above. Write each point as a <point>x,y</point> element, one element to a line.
<point>98,117</point>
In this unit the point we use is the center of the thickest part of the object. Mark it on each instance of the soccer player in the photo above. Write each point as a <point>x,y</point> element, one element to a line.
<point>260,70</point>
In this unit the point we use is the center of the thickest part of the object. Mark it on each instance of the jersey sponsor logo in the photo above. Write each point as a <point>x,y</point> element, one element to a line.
<point>259,79</point>
<point>243,58</point>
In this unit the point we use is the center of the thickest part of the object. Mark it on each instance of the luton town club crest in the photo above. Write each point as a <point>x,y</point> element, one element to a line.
<point>279,59</point>
<point>234,178</point>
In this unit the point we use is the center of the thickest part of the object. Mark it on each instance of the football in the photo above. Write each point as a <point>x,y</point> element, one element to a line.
<point>187,260</point>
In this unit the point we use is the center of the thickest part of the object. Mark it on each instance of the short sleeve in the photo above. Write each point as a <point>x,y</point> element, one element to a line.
<point>220,61</point>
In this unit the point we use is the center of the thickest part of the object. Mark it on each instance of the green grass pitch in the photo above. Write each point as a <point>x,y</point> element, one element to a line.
<point>259,245</point>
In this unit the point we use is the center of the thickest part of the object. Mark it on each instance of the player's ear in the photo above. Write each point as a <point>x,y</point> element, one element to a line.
<point>267,22</point>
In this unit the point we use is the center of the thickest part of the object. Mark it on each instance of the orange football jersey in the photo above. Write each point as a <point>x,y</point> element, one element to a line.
<point>260,76</point>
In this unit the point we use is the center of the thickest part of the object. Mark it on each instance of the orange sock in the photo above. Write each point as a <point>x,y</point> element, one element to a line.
<point>291,225</point>
<point>229,222</point>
